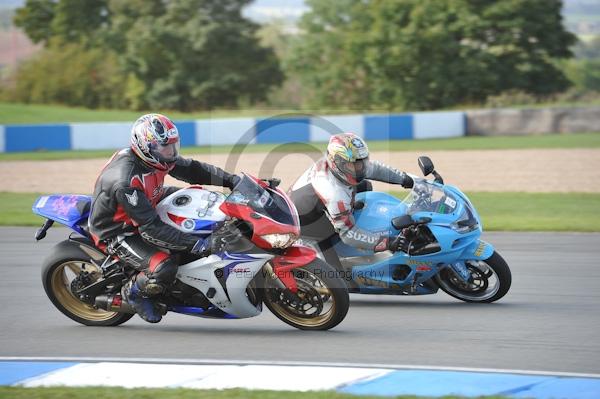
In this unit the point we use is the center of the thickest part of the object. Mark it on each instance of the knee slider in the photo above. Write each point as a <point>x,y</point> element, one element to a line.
<point>164,272</point>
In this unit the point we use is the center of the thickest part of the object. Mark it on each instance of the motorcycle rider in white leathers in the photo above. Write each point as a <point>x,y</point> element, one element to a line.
<point>325,196</point>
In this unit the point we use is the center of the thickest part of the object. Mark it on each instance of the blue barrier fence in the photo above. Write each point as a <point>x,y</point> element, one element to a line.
<point>109,135</point>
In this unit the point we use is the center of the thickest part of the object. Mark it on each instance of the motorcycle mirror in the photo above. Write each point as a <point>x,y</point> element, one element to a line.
<point>426,165</point>
<point>274,182</point>
<point>401,222</point>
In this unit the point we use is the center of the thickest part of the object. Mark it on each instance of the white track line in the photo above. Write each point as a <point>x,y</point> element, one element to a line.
<point>295,363</point>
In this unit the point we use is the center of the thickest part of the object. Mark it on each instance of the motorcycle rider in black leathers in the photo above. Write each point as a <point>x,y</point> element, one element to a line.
<point>123,220</point>
<point>324,196</point>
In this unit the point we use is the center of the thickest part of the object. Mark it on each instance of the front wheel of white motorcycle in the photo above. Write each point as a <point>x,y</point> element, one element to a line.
<point>490,280</point>
<point>321,302</point>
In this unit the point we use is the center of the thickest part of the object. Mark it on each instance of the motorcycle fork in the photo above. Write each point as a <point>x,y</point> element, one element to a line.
<point>292,258</point>
<point>283,277</point>
<point>460,269</point>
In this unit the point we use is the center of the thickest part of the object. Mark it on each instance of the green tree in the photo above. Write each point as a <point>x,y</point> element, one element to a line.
<point>177,54</point>
<point>588,50</point>
<point>278,34</point>
<point>65,21</point>
<point>424,54</point>
<point>35,18</point>
<point>585,74</point>
<point>72,75</point>
<point>329,56</point>
<point>80,21</point>
<point>203,53</point>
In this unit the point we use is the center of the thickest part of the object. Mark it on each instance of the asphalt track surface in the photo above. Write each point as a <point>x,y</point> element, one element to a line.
<point>549,321</point>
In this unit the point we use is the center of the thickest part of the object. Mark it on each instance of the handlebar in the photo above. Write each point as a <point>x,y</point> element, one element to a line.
<point>404,221</point>
<point>272,182</point>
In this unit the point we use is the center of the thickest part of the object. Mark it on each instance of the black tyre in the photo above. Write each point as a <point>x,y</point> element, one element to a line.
<point>323,295</point>
<point>59,271</point>
<point>490,280</point>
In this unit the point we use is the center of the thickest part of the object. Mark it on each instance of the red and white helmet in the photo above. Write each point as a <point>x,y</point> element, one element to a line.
<point>348,158</point>
<point>155,140</point>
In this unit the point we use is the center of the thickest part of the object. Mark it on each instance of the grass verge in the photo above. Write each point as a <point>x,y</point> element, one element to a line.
<point>15,209</point>
<point>499,211</point>
<point>580,140</point>
<point>18,113</point>
<point>538,211</point>
<point>121,393</point>
<point>15,113</point>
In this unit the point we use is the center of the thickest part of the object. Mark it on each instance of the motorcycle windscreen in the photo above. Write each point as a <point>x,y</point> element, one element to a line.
<point>427,197</point>
<point>66,209</point>
<point>263,201</point>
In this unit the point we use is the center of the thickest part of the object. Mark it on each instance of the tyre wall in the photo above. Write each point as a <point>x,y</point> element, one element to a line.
<point>503,122</point>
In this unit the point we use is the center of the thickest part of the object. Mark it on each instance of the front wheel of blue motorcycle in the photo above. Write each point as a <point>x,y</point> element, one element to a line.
<point>489,280</point>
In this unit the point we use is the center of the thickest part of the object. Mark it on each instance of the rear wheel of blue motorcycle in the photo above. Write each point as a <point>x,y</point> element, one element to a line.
<point>321,303</point>
<point>63,270</point>
<point>490,281</point>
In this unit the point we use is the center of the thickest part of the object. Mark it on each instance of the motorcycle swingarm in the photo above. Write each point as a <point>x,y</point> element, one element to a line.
<point>92,291</point>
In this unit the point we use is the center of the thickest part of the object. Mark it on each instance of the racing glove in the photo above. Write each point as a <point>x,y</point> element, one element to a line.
<point>398,243</point>
<point>208,245</point>
<point>407,181</point>
<point>232,181</point>
<point>394,244</point>
<point>201,247</point>
<point>216,242</point>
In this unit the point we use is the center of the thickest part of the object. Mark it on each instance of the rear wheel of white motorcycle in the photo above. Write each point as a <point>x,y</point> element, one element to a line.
<point>61,274</point>
<point>490,280</point>
<point>322,299</point>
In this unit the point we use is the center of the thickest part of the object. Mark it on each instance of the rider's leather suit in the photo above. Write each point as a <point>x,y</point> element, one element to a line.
<point>123,216</point>
<point>320,197</point>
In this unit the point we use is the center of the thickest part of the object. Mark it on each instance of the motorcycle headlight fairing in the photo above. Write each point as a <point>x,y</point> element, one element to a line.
<point>466,223</point>
<point>280,240</point>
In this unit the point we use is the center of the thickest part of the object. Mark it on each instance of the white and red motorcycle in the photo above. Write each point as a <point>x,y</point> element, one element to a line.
<point>259,263</point>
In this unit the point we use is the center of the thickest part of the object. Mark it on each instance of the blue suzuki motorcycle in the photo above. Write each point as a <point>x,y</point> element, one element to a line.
<point>444,251</point>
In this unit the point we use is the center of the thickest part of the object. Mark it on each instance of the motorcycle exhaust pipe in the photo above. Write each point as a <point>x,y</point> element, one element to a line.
<point>113,303</point>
